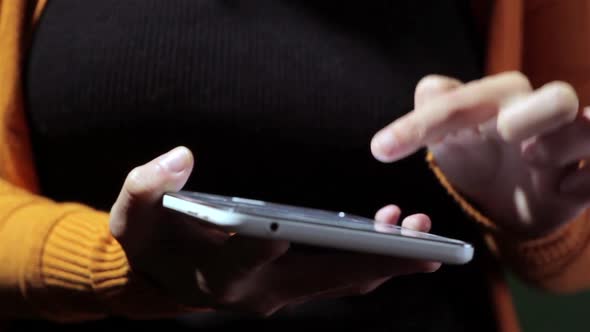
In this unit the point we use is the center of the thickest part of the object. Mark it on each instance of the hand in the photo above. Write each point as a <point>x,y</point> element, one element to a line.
<point>513,151</point>
<point>203,266</point>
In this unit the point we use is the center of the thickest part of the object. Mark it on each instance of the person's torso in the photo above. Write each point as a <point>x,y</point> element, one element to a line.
<point>278,100</point>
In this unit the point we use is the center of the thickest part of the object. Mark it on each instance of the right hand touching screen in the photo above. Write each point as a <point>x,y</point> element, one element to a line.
<point>512,150</point>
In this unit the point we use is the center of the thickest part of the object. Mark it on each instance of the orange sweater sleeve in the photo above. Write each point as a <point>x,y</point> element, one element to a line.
<point>60,262</point>
<point>57,260</point>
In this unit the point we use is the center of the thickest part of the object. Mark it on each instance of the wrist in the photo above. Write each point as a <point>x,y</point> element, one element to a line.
<point>85,275</point>
<point>507,214</point>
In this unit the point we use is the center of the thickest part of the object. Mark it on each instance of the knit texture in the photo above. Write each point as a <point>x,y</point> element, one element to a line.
<point>59,261</point>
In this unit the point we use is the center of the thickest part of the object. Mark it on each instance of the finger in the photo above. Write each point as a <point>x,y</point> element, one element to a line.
<point>173,256</point>
<point>561,147</point>
<point>470,105</point>
<point>267,305</point>
<point>388,215</point>
<point>421,223</point>
<point>432,86</point>
<point>240,258</point>
<point>132,215</point>
<point>546,109</point>
<point>336,293</point>
<point>417,222</point>
<point>304,276</point>
<point>387,218</point>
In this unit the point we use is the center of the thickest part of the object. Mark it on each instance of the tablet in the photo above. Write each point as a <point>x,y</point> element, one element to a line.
<point>316,227</point>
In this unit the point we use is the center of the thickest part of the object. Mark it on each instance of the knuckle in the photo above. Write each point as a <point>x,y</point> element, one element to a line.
<point>142,180</point>
<point>456,115</point>
<point>460,117</point>
<point>506,132</point>
<point>135,174</point>
<point>413,131</point>
<point>136,182</point>
<point>519,80</point>
<point>565,98</point>
<point>435,83</point>
<point>430,81</point>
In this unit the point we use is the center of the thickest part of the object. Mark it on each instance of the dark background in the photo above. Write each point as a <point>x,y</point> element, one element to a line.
<point>540,312</point>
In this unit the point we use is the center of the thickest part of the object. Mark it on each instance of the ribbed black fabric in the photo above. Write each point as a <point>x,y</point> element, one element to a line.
<point>279,101</point>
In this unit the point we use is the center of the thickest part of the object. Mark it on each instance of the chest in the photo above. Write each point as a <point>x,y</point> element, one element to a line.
<point>270,95</point>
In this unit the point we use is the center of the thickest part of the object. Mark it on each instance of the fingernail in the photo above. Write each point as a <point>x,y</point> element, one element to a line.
<point>176,160</point>
<point>586,112</point>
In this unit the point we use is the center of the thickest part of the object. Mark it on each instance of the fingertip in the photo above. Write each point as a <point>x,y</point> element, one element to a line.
<point>434,85</point>
<point>168,172</point>
<point>431,267</point>
<point>388,214</point>
<point>280,247</point>
<point>565,99</point>
<point>189,153</point>
<point>177,160</point>
<point>417,222</point>
<point>382,146</point>
<point>387,149</point>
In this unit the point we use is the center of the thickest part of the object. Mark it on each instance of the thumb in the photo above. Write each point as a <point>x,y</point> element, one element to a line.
<point>135,213</point>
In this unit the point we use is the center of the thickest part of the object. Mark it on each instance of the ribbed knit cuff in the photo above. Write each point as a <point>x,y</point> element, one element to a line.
<point>85,274</point>
<point>534,259</point>
<point>465,205</point>
<point>548,256</point>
